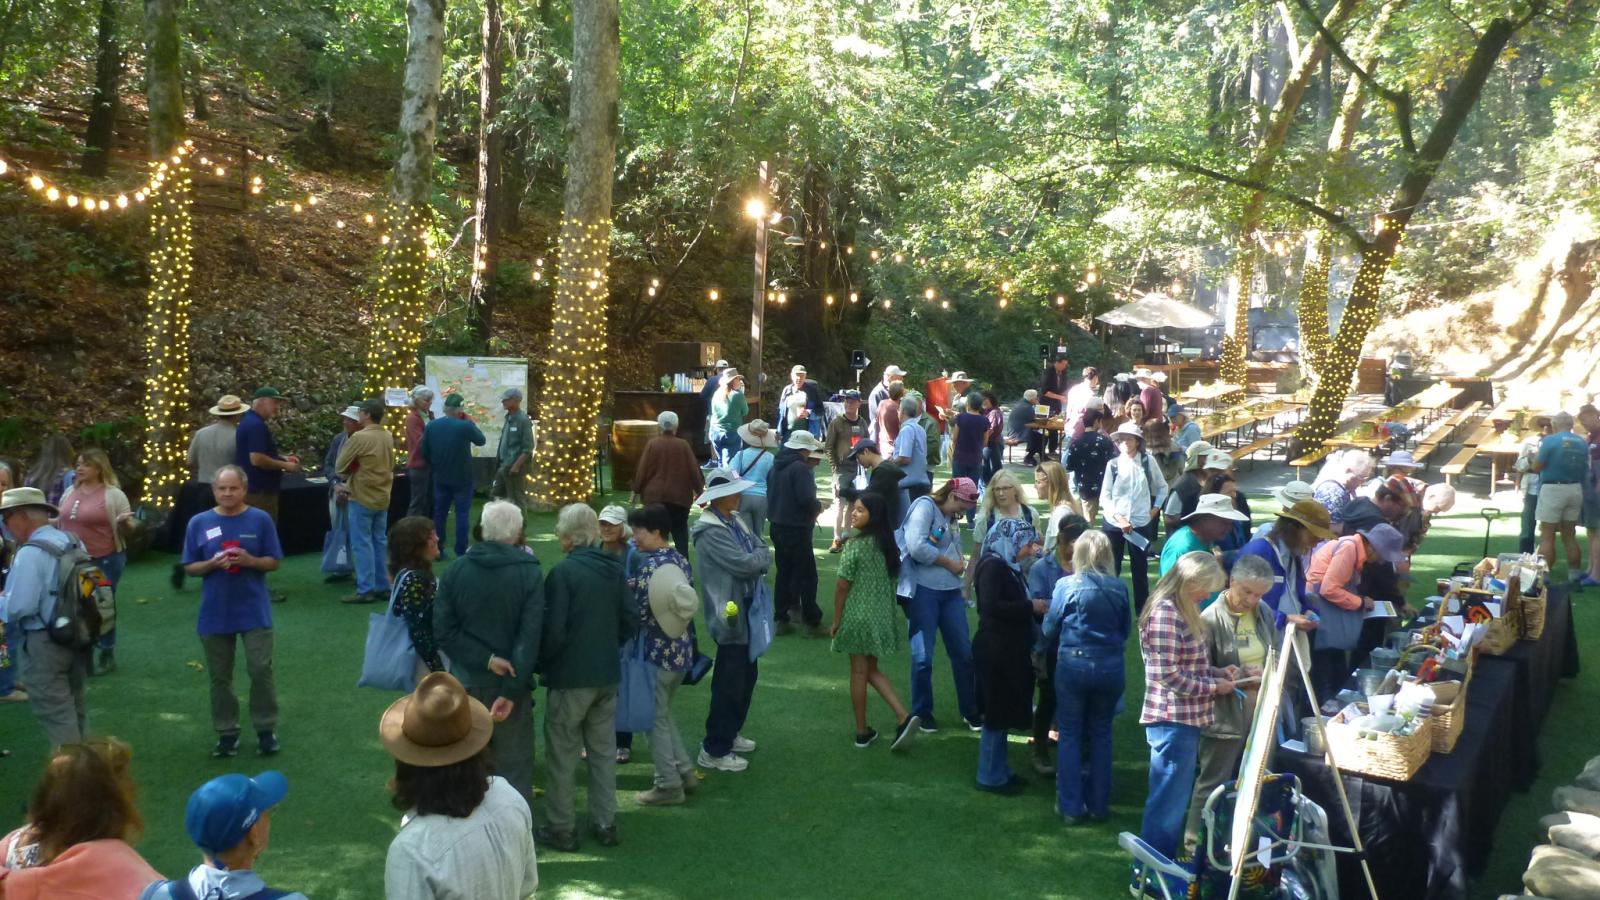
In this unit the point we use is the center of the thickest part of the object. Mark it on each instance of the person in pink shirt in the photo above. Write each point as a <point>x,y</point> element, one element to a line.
<point>81,820</point>
<point>1332,581</point>
<point>93,510</point>
<point>1150,395</point>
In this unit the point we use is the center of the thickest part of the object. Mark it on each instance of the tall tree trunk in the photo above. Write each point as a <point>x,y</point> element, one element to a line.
<point>576,374</point>
<point>403,279</point>
<point>102,128</point>
<point>1236,346</point>
<point>166,391</point>
<point>1361,312</point>
<point>486,225</point>
<point>1312,304</point>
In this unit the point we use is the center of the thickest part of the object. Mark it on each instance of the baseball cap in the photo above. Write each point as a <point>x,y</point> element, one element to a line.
<point>264,391</point>
<point>614,514</point>
<point>851,394</point>
<point>511,393</point>
<point>893,370</point>
<point>964,489</point>
<point>224,809</point>
<point>861,447</point>
<point>454,401</point>
<point>798,370</point>
<point>352,412</point>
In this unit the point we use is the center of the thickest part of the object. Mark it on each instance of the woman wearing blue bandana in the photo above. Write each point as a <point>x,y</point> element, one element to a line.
<point>1001,647</point>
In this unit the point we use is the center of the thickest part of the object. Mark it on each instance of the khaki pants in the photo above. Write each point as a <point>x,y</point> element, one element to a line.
<point>219,650</point>
<point>55,676</point>
<point>581,719</point>
<point>1089,509</point>
<point>1219,762</point>
<point>667,751</point>
<point>511,486</point>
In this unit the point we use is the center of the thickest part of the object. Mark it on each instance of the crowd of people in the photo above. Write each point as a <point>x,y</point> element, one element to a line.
<point>615,628</point>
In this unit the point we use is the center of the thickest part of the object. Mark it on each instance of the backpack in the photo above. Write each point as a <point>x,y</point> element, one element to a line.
<point>86,606</point>
<point>179,889</point>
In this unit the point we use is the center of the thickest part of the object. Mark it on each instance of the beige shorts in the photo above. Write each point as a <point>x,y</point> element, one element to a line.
<point>1559,504</point>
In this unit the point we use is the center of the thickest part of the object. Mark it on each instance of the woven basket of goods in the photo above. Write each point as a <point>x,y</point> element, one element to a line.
<point>1449,713</point>
<point>1395,755</point>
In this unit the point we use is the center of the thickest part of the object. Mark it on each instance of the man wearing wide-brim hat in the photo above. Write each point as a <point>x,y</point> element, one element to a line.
<point>437,736</point>
<point>792,510</point>
<point>213,446</point>
<point>1213,517</point>
<point>54,674</point>
<point>1286,545</point>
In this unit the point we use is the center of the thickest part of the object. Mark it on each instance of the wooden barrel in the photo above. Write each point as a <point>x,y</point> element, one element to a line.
<point>628,437</point>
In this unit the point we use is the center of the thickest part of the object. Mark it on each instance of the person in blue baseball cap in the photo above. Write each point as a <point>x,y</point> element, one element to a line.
<point>230,819</point>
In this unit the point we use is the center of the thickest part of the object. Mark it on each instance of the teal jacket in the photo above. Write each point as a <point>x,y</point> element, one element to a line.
<point>491,601</point>
<point>589,613</point>
<point>447,446</point>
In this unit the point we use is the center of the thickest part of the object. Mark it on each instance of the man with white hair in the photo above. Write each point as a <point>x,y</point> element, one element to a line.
<point>669,474</point>
<point>1017,428</point>
<point>418,475</point>
<point>515,452</point>
<point>54,674</point>
<point>892,374</point>
<point>1563,467</point>
<point>807,415</point>
<point>488,618</point>
<point>366,462</point>
<point>911,452</point>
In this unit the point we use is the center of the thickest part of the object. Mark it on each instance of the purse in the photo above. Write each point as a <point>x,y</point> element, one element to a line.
<point>390,660</point>
<point>636,693</point>
<point>700,664</point>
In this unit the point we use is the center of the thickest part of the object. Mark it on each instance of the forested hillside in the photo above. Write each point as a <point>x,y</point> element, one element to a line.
<point>952,186</point>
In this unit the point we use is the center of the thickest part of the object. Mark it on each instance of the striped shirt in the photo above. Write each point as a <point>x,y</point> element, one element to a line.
<point>1179,680</point>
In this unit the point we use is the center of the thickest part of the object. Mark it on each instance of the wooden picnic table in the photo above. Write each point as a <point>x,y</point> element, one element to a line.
<point>1436,396</point>
<point>1502,453</point>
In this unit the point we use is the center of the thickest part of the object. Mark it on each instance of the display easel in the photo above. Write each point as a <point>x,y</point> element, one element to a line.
<point>1258,748</point>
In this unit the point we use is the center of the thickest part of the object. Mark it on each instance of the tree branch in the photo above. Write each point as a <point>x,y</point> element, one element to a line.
<point>1399,101</point>
<point>1334,220</point>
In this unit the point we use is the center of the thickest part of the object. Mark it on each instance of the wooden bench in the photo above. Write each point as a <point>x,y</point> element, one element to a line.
<point>1458,463</point>
<point>1260,444</point>
<point>1461,418</point>
<point>1311,459</point>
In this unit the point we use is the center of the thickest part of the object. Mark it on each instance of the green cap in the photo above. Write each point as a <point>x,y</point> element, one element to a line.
<point>454,401</point>
<point>265,391</point>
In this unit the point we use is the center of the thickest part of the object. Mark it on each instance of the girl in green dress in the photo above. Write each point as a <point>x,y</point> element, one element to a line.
<point>863,614</point>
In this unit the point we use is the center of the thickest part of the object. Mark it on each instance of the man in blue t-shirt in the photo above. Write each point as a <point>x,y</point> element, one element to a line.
<point>256,453</point>
<point>231,547</point>
<point>1563,466</point>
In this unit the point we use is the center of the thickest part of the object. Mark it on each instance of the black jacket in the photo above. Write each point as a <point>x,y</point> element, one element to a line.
<point>792,490</point>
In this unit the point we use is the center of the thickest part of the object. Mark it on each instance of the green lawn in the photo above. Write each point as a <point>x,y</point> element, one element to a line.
<point>812,816</point>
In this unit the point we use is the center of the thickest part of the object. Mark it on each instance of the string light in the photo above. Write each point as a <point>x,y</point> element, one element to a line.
<point>401,302</point>
<point>714,295</point>
<point>166,341</point>
<point>1061,300</point>
<point>854,297</point>
<point>88,202</point>
<point>575,376</point>
<point>828,299</point>
<point>928,294</point>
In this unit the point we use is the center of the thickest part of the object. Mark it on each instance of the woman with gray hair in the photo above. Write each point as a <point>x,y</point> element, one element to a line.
<point>588,616</point>
<point>1236,634</point>
<point>669,474</point>
<point>1087,626</point>
<point>1336,484</point>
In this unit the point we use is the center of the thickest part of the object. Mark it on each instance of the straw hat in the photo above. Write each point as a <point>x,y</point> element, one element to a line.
<point>1313,515</point>
<point>437,725</point>
<point>757,433</point>
<point>672,600</point>
<point>229,405</point>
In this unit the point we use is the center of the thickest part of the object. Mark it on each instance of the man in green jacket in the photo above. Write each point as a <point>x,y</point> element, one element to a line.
<point>488,619</point>
<point>515,451</point>
<point>589,614</point>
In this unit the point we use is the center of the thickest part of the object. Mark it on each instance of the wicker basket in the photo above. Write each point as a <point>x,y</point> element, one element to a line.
<point>1449,717</point>
<point>1504,632</point>
<point>1395,757</point>
<point>1533,609</point>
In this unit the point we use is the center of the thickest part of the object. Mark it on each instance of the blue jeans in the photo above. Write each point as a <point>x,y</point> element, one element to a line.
<point>945,611</point>
<point>994,770</point>
<point>1528,539</point>
<point>975,472</point>
<point>112,566</point>
<point>1174,758</point>
<point>1088,685</point>
<point>993,461</point>
<point>369,541</point>
<point>8,675</point>
<point>726,444</point>
<point>446,498</point>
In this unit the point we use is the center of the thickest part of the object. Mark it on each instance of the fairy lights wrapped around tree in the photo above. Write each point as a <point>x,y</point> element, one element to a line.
<point>574,381</point>
<point>399,309</point>
<point>166,324</point>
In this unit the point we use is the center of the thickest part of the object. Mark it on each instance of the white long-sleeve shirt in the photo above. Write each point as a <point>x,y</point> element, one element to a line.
<point>489,855</point>
<point>1131,491</point>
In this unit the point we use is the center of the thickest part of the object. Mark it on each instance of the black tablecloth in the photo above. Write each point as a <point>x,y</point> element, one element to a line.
<point>1424,837</point>
<point>302,512</point>
<point>1538,666</point>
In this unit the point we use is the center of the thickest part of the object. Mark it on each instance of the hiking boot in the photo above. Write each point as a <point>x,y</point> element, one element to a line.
<point>690,779</point>
<point>660,796</point>
<point>565,841</point>
<point>227,746</point>
<point>14,697</point>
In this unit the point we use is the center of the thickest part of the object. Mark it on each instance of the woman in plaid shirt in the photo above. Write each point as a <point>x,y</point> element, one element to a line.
<point>1179,686</point>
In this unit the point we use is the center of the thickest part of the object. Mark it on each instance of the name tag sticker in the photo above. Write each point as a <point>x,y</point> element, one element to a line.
<point>213,533</point>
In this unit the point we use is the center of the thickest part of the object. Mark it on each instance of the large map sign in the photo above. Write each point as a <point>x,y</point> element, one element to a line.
<point>479,380</point>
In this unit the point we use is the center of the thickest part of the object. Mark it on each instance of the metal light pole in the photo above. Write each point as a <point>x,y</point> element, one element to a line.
<point>756,207</point>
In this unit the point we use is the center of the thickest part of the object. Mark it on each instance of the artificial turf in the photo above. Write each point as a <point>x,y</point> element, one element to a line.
<point>813,816</point>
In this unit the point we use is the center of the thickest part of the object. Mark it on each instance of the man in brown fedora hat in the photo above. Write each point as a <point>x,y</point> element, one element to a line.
<point>213,446</point>
<point>442,782</point>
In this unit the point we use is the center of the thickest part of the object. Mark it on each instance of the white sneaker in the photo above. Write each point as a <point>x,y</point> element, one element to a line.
<point>742,744</point>
<point>729,763</point>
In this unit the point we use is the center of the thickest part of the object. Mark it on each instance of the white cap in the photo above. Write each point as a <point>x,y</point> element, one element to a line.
<point>1216,459</point>
<point>893,370</point>
<point>614,514</point>
<point>797,370</point>
<point>352,412</point>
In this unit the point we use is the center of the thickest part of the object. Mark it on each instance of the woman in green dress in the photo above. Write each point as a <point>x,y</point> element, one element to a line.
<point>863,614</point>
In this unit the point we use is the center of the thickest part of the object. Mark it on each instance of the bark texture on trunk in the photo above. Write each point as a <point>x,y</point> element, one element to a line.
<point>486,222</point>
<point>102,127</point>
<point>575,379</point>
